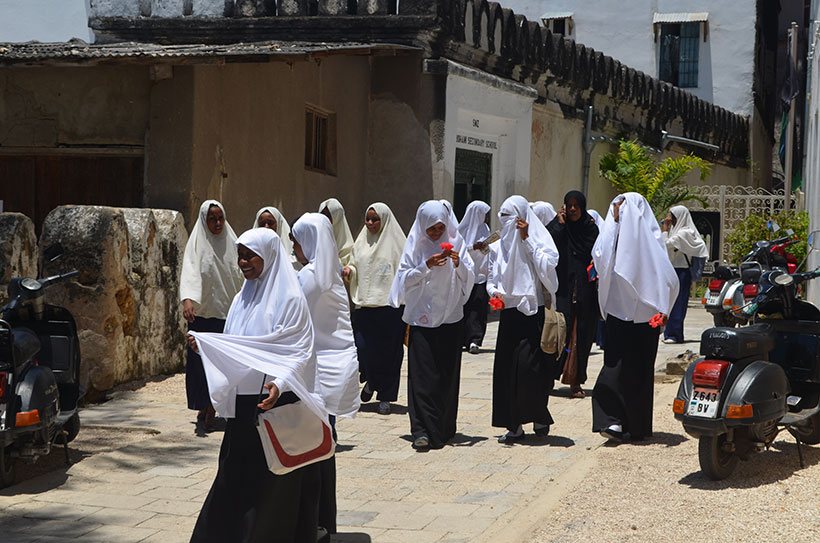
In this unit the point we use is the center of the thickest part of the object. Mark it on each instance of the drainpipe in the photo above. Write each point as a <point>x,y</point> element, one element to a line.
<point>588,145</point>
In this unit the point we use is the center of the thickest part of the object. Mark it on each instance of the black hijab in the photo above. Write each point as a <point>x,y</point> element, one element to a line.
<point>581,234</point>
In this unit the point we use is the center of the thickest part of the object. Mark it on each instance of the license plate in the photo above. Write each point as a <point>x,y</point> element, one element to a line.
<point>704,403</point>
<point>713,299</point>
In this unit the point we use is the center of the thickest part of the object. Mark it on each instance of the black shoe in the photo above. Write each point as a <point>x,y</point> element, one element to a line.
<point>421,443</point>
<point>510,438</point>
<point>543,431</point>
<point>366,394</point>
<point>613,435</point>
<point>322,535</point>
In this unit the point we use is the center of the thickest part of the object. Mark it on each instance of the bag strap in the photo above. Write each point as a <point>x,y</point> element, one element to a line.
<point>261,391</point>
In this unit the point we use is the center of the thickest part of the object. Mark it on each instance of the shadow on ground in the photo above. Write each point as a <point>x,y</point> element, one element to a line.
<point>372,407</point>
<point>780,462</point>
<point>354,537</point>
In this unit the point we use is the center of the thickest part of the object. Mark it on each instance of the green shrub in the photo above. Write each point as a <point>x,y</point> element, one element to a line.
<point>742,238</point>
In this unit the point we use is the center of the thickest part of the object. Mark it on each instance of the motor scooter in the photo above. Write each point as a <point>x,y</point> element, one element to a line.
<point>756,381</point>
<point>732,287</point>
<point>39,375</point>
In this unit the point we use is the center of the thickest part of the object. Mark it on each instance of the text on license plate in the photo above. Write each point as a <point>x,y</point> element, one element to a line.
<point>704,403</point>
<point>713,299</point>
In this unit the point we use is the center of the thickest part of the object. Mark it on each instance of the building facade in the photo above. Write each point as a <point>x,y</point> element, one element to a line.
<point>180,101</point>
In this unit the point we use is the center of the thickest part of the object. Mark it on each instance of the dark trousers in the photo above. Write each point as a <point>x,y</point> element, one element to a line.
<point>433,379</point>
<point>674,327</point>
<point>379,334</point>
<point>475,315</point>
<point>249,504</point>
<point>196,386</point>
<point>625,388</point>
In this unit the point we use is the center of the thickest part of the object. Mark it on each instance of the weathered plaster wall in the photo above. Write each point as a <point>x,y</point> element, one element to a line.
<point>249,136</point>
<point>405,132</point>
<point>44,20</point>
<point>623,30</point>
<point>47,107</point>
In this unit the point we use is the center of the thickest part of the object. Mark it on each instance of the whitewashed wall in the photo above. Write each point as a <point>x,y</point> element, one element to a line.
<point>44,20</point>
<point>812,164</point>
<point>623,30</point>
<point>504,129</point>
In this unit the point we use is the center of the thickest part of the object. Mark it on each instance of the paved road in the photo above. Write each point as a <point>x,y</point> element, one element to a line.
<point>139,473</point>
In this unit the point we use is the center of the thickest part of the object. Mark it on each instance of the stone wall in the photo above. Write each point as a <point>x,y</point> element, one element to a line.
<point>18,250</point>
<point>125,297</point>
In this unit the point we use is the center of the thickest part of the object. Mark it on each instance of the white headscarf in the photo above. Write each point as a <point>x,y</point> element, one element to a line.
<point>375,260</point>
<point>268,332</point>
<point>282,227</point>
<point>544,211</point>
<point>636,278</point>
<point>341,231</point>
<point>432,297</point>
<point>473,228</point>
<point>521,267</point>
<point>337,363</point>
<point>684,235</point>
<point>599,222</point>
<point>210,276</point>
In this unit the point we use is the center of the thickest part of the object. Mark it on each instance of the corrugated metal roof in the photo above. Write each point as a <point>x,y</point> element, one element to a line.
<point>680,17</point>
<point>79,51</point>
<point>548,16</point>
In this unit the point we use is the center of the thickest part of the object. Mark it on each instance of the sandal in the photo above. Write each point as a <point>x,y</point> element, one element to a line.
<point>578,392</point>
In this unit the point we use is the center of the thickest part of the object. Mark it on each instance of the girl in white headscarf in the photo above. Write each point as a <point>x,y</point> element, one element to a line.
<point>271,217</point>
<point>635,294</point>
<point>523,268</point>
<point>683,243</point>
<point>268,339</point>
<point>599,222</point>
<point>336,360</point>
<point>434,281</point>
<point>377,326</point>
<point>207,284</point>
<point>333,210</point>
<point>544,211</point>
<point>474,229</point>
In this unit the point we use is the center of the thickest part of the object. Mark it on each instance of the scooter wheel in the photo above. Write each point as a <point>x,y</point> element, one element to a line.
<point>7,471</point>
<point>71,428</point>
<point>715,462</point>
<point>808,433</point>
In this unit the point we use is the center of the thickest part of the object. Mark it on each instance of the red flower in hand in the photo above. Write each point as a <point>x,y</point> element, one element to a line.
<point>659,319</point>
<point>496,304</point>
<point>446,246</point>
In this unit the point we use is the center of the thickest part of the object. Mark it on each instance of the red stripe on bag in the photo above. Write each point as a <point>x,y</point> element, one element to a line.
<point>290,461</point>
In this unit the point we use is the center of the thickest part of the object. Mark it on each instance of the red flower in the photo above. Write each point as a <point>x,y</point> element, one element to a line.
<point>446,246</point>
<point>496,304</point>
<point>659,319</point>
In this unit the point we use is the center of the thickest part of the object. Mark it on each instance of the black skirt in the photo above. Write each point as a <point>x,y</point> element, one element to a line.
<point>196,386</point>
<point>584,315</point>
<point>475,315</point>
<point>433,379</point>
<point>522,372</point>
<point>625,388</point>
<point>247,503</point>
<point>379,334</point>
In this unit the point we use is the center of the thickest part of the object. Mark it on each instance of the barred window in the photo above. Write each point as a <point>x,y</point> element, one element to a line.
<point>320,140</point>
<point>679,54</point>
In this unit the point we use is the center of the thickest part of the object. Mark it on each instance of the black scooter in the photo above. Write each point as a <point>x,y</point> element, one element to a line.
<point>756,381</point>
<point>39,375</point>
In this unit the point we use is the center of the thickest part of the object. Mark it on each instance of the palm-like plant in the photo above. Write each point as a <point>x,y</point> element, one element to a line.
<point>632,169</point>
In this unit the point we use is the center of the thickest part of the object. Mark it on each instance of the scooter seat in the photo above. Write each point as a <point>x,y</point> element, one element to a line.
<point>24,346</point>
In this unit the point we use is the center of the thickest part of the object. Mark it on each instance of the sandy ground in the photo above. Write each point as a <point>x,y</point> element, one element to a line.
<point>654,491</point>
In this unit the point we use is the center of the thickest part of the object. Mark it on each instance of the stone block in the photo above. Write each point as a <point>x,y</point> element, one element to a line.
<point>167,8</point>
<point>125,297</point>
<point>114,8</point>
<point>18,250</point>
<point>372,7</point>
<point>332,7</point>
<point>209,8</point>
<point>676,365</point>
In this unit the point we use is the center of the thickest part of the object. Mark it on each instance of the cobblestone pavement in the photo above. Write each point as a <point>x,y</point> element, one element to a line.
<point>140,474</point>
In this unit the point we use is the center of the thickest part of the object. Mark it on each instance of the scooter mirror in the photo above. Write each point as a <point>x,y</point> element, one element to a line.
<point>53,252</point>
<point>814,239</point>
